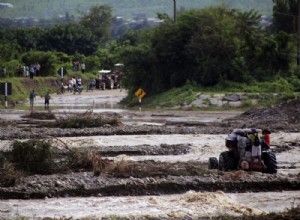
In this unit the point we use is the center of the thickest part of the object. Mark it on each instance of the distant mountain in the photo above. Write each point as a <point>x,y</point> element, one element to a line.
<point>48,9</point>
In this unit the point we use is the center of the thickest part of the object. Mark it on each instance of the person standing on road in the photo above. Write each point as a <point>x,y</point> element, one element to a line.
<point>47,98</point>
<point>31,71</point>
<point>74,83</point>
<point>83,68</point>
<point>79,81</point>
<point>38,69</point>
<point>32,96</point>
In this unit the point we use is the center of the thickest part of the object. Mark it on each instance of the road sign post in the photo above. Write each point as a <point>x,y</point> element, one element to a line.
<point>140,104</point>
<point>140,94</point>
<point>62,72</point>
<point>6,89</point>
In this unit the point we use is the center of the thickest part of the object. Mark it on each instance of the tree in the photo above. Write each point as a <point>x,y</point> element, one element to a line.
<point>29,38</point>
<point>285,14</point>
<point>205,46</point>
<point>98,21</point>
<point>47,60</point>
<point>70,38</point>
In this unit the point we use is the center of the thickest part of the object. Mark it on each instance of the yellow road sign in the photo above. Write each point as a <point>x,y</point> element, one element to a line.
<point>140,93</point>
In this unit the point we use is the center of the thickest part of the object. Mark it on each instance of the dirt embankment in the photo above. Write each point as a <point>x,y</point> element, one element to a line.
<point>282,117</point>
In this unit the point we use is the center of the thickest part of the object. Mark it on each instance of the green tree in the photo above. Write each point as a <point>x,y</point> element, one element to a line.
<point>140,67</point>
<point>98,21</point>
<point>285,14</point>
<point>28,38</point>
<point>204,46</point>
<point>70,38</point>
<point>47,60</point>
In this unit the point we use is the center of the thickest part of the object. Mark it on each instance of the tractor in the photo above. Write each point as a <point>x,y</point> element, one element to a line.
<point>109,79</point>
<point>241,144</point>
<point>105,80</point>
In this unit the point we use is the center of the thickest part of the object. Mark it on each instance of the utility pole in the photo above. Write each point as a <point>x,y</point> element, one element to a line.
<point>175,10</point>
<point>298,48</point>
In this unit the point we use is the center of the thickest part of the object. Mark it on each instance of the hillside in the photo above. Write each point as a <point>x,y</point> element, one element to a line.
<point>47,9</point>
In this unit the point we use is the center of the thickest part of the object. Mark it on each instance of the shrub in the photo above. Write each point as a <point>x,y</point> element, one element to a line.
<point>11,67</point>
<point>92,64</point>
<point>47,60</point>
<point>78,160</point>
<point>40,115</point>
<point>118,169</point>
<point>87,120</point>
<point>33,156</point>
<point>288,95</point>
<point>279,85</point>
<point>9,176</point>
<point>295,81</point>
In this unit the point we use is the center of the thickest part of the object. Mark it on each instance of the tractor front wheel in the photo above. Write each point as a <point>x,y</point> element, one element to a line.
<point>227,161</point>
<point>213,163</point>
<point>269,159</point>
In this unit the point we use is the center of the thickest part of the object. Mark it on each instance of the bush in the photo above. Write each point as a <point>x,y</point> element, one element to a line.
<point>9,176</point>
<point>279,85</point>
<point>92,64</point>
<point>33,156</point>
<point>295,81</point>
<point>11,67</point>
<point>87,120</point>
<point>40,115</point>
<point>47,60</point>
<point>78,160</point>
<point>288,95</point>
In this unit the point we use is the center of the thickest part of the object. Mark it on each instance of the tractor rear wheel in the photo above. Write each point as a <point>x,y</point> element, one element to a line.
<point>227,161</point>
<point>213,163</point>
<point>269,159</point>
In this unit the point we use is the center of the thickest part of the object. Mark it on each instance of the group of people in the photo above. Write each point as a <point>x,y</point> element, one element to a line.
<point>251,140</point>
<point>32,97</point>
<point>29,71</point>
<point>78,66</point>
<point>72,84</point>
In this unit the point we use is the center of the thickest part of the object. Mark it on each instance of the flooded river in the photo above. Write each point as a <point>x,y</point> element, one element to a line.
<point>190,204</point>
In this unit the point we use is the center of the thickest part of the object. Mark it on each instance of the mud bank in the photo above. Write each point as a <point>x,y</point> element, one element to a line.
<point>86,184</point>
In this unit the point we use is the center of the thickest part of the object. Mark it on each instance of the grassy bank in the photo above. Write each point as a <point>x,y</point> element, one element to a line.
<point>264,93</point>
<point>21,87</point>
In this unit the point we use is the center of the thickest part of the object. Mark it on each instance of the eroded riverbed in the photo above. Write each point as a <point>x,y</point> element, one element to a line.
<point>183,140</point>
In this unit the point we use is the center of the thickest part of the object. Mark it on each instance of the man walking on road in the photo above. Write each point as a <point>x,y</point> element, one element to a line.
<point>31,99</point>
<point>47,98</point>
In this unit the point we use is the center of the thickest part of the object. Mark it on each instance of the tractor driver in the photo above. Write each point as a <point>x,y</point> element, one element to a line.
<point>256,149</point>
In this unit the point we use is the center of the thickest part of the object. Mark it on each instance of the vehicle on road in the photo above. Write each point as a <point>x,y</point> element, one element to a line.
<point>110,79</point>
<point>248,149</point>
<point>77,89</point>
<point>105,80</point>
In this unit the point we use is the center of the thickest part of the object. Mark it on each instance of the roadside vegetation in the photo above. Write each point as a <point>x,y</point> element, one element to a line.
<point>216,49</point>
<point>265,94</point>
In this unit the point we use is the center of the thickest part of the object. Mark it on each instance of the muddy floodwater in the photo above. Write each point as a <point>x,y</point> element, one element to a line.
<point>192,204</point>
<point>198,147</point>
